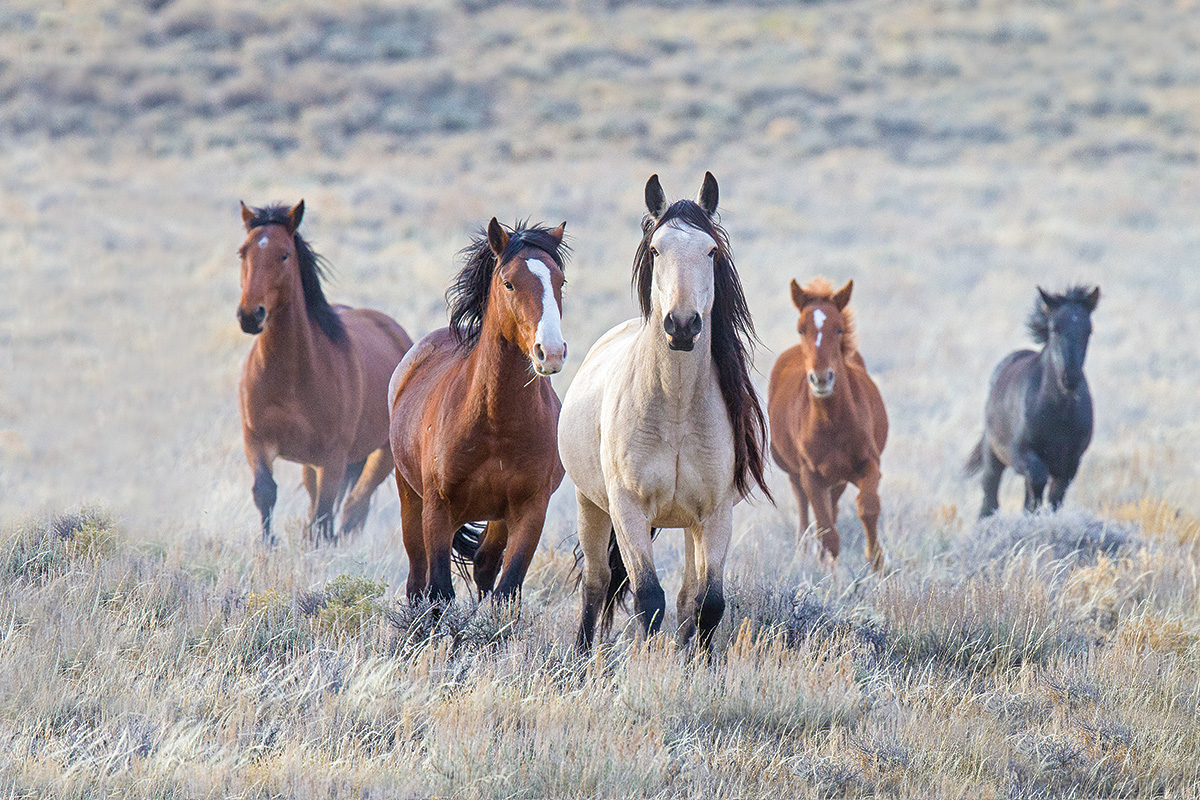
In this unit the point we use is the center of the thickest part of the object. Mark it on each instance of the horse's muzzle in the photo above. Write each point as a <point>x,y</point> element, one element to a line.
<point>821,386</point>
<point>682,335</point>
<point>252,321</point>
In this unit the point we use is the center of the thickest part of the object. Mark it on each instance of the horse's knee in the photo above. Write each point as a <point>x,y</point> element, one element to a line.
<point>265,491</point>
<point>650,603</point>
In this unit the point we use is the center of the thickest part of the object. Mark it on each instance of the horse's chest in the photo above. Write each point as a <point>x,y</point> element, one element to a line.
<point>679,470</point>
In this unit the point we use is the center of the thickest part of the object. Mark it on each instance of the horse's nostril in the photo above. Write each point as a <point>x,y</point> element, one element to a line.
<point>669,324</point>
<point>829,376</point>
<point>539,352</point>
<point>260,313</point>
<point>564,349</point>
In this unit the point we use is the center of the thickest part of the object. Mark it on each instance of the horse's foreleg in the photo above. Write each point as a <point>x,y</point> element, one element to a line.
<point>802,502</point>
<point>486,565</point>
<point>358,502</point>
<point>330,481</point>
<point>633,537</point>
<point>712,546</point>
<point>1057,490</point>
<point>524,533</point>
<point>868,512</point>
<point>835,497</point>
<point>1036,475</point>
<point>265,490</point>
<point>819,496</point>
<point>595,527</point>
<point>411,512</point>
<point>310,486</point>
<point>438,531</point>
<point>993,470</point>
<point>685,606</point>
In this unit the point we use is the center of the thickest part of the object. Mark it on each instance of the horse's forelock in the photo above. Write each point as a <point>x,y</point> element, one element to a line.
<point>1039,318</point>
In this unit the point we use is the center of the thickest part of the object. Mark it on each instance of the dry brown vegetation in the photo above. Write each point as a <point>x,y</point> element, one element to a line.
<point>945,155</point>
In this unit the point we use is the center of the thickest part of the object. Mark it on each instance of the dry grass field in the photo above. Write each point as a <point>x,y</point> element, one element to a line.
<point>946,155</point>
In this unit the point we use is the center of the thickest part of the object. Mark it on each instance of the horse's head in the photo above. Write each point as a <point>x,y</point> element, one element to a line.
<point>1063,322</point>
<point>268,264</point>
<point>825,333</point>
<point>674,267</point>
<point>526,294</point>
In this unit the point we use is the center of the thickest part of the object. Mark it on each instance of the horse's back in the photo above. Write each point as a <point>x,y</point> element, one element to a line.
<point>379,344</point>
<point>409,394</point>
<point>870,397</point>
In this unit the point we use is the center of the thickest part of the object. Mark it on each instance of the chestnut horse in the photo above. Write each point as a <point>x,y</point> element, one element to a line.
<point>1039,410</point>
<point>828,421</point>
<point>661,426</point>
<point>313,386</point>
<point>474,416</point>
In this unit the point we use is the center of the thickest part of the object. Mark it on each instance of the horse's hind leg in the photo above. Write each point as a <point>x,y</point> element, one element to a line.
<point>374,472</point>
<point>594,527</point>
<point>993,470</point>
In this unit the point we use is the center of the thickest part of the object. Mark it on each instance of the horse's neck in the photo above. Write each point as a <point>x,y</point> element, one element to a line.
<point>677,376</point>
<point>501,380</point>
<point>1050,393</point>
<point>289,347</point>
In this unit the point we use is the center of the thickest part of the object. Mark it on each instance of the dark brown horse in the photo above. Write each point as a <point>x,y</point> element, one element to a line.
<point>474,418</point>
<point>314,386</point>
<point>828,421</point>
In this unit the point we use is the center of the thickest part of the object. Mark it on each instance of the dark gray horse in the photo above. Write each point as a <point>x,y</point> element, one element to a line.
<point>1038,418</point>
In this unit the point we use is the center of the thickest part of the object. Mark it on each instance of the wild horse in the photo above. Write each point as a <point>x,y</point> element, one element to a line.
<point>661,426</point>
<point>313,386</point>
<point>1039,410</point>
<point>828,420</point>
<point>474,418</point>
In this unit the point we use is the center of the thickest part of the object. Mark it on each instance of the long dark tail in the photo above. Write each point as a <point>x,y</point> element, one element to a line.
<point>617,591</point>
<point>464,547</point>
<point>974,463</point>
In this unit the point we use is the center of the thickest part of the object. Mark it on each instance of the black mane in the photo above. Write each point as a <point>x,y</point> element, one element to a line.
<point>313,268</point>
<point>732,338</point>
<point>467,297</point>
<point>1039,319</point>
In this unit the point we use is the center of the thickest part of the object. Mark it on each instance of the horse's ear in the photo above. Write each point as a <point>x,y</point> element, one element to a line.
<point>1092,300</point>
<point>842,298</point>
<point>294,216</point>
<point>799,298</point>
<point>707,196</point>
<point>656,198</point>
<point>497,237</point>
<point>247,215</point>
<point>1048,300</point>
<point>557,233</point>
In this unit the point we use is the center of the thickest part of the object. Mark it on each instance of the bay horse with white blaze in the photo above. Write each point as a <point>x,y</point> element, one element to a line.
<point>313,386</point>
<point>474,417</point>
<point>1039,410</point>
<point>661,426</point>
<point>828,421</point>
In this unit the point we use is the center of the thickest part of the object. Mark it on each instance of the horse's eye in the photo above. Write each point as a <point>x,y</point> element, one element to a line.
<point>285,255</point>
<point>654,251</point>
<point>508,285</point>
<point>712,253</point>
<point>841,331</point>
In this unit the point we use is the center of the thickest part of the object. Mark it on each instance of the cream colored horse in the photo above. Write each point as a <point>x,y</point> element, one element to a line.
<point>661,427</point>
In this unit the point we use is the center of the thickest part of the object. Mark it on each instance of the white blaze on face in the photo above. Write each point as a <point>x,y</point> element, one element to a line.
<point>262,243</point>
<point>819,321</point>
<point>549,330</point>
